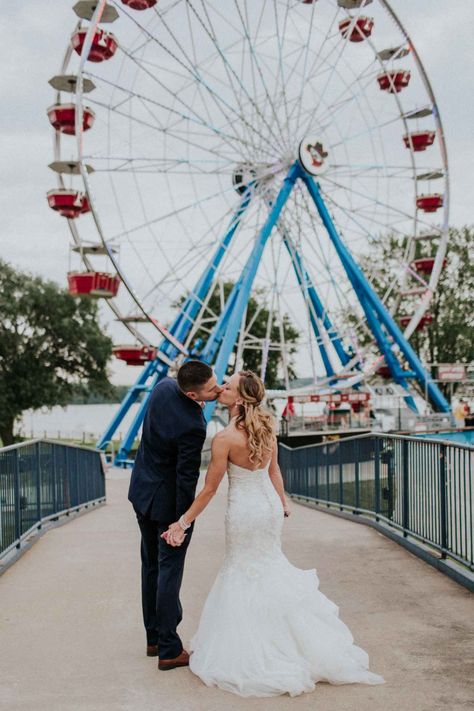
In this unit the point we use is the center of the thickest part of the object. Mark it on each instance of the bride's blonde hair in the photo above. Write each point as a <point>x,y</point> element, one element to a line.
<point>257,422</point>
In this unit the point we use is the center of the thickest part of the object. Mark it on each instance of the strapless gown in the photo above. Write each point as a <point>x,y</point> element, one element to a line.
<point>265,628</point>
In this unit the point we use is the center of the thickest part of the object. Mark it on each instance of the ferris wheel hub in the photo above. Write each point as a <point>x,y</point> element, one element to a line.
<point>312,155</point>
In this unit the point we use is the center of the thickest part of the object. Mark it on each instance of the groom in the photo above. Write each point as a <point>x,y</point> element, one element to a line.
<point>162,487</point>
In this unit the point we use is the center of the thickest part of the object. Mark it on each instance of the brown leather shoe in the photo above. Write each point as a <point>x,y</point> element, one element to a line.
<point>182,660</point>
<point>152,650</point>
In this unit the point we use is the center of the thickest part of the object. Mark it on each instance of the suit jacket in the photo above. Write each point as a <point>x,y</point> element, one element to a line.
<point>166,468</point>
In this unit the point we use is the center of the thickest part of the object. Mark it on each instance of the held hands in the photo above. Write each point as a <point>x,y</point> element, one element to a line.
<point>175,534</point>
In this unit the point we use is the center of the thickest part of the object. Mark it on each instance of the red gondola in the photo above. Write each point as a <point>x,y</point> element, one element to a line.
<point>139,4</point>
<point>424,265</point>
<point>63,118</point>
<point>135,355</point>
<point>361,29</point>
<point>69,203</point>
<point>425,320</point>
<point>104,45</point>
<point>394,81</point>
<point>429,203</point>
<point>419,140</point>
<point>95,284</point>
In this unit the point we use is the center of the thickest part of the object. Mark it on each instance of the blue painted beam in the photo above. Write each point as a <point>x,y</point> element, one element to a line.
<point>316,302</point>
<point>234,314</point>
<point>365,292</point>
<point>154,371</point>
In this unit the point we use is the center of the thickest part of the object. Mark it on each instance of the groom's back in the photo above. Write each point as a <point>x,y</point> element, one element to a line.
<point>170,418</point>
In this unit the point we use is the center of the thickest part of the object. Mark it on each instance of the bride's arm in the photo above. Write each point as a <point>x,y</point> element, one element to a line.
<point>215,471</point>
<point>277,479</point>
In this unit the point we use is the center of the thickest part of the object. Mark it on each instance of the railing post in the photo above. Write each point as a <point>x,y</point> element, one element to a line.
<point>405,513</point>
<point>38,484</point>
<point>316,466</point>
<point>377,476</point>
<point>16,485</point>
<point>327,474</point>
<point>54,478</point>
<point>442,499</point>
<point>356,475</point>
<point>341,490</point>
<point>68,500</point>
<point>78,488</point>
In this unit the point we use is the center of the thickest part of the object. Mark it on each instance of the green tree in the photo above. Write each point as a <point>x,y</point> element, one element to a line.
<point>257,318</point>
<point>449,338</point>
<point>51,346</point>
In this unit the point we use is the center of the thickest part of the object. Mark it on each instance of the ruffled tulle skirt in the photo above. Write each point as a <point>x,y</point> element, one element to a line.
<point>266,629</point>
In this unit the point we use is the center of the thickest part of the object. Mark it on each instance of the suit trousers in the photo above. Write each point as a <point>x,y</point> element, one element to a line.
<point>161,577</point>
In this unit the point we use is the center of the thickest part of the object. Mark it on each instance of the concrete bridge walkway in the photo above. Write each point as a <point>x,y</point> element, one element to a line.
<point>72,639</point>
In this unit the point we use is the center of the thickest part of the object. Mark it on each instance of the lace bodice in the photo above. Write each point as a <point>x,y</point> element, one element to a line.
<point>253,520</point>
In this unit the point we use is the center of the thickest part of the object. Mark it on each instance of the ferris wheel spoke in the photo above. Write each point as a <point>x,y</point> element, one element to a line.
<point>256,42</point>
<point>370,200</point>
<point>323,113</point>
<point>183,137</point>
<point>157,166</point>
<point>230,71</point>
<point>172,213</point>
<point>367,170</point>
<point>230,139</point>
<point>309,73</point>
<point>189,67</point>
<point>281,80</point>
<point>260,73</point>
<point>369,129</point>
<point>304,72</point>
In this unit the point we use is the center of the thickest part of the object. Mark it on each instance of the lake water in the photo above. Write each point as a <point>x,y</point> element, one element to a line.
<point>86,422</point>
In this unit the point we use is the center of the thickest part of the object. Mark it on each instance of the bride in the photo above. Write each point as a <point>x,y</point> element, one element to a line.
<point>265,628</point>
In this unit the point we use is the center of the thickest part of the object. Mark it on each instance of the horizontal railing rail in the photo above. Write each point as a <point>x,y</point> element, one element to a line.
<point>41,480</point>
<point>422,487</point>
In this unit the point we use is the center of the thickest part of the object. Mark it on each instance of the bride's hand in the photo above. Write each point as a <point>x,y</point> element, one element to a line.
<point>286,510</point>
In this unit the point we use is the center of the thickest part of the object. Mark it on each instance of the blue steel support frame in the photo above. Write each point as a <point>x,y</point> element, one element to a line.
<point>231,318</point>
<point>308,290</point>
<point>157,369</point>
<point>375,309</point>
<point>307,284</point>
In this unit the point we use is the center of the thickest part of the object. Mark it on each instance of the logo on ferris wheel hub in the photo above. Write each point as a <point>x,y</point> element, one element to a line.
<point>313,156</point>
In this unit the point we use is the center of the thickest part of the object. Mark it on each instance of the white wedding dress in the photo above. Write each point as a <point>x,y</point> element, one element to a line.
<point>265,628</point>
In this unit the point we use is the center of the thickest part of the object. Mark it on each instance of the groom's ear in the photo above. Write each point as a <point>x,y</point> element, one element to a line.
<point>192,395</point>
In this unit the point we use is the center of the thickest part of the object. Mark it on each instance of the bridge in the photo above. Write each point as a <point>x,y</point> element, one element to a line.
<point>72,633</point>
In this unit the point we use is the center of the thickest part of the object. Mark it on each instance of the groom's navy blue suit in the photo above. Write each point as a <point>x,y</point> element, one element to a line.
<point>162,487</point>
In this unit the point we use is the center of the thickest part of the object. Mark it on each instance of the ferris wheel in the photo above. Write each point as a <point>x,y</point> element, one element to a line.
<point>262,143</point>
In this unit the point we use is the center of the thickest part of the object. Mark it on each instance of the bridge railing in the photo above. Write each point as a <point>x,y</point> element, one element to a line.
<point>42,480</point>
<point>423,488</point>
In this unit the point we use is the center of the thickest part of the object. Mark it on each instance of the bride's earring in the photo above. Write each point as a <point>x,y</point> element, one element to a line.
<point>234,409</point>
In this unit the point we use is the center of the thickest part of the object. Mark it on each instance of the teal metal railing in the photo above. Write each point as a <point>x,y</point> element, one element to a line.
<point>423,488</point>
<point>41,481</point>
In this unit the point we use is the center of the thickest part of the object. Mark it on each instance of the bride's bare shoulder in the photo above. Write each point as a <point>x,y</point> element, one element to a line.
<point>230,434</point>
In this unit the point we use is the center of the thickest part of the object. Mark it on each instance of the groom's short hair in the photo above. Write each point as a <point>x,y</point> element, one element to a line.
<point>193,375</point>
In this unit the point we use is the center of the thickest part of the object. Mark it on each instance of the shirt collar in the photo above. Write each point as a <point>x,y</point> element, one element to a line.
<point>195,403</point>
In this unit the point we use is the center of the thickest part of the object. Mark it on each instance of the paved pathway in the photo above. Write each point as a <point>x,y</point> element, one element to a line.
<point>71,636</point>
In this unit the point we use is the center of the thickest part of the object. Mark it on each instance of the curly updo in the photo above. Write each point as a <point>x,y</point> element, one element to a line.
<point>257,422</point>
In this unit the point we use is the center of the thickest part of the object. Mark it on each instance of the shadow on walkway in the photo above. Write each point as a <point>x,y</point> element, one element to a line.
<point>72,636</point>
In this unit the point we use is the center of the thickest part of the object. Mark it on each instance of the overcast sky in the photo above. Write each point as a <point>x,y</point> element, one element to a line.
<point>34,39</point>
